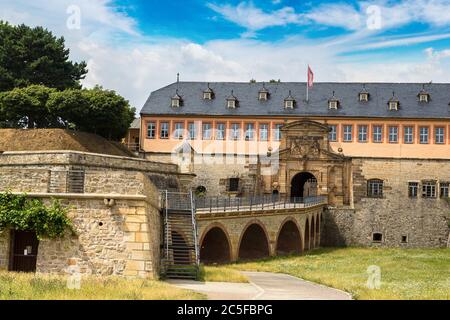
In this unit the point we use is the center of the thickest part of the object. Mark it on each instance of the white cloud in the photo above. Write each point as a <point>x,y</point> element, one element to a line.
<point>248,16</point>
<point>138,65</point>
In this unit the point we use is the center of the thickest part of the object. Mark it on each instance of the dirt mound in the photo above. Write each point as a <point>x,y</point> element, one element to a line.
<point>57,139</point>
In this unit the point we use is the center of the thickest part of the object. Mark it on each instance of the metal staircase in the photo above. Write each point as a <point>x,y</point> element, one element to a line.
<point>180,258</point>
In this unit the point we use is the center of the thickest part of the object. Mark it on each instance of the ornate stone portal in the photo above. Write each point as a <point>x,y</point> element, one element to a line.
<point>305,148</point>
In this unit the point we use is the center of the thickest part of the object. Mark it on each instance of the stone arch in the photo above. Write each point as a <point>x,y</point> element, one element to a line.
<point>289,237</point>
<point>303,184</point>
<point>254,241</point>
<point>312,235</point>
<point>215,245</point>
<point>307,230</point>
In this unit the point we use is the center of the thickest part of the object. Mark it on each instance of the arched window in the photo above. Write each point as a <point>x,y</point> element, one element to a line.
<point>375,188</point>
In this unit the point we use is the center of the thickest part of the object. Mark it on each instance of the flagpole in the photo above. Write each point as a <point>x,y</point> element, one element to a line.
<point>307,84</point>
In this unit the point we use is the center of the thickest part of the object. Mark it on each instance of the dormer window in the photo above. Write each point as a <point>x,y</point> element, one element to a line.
<point>289,102</point>
<point>263,94</point>
<point>176,100</point>
<point>232,101</point>
<point>393,103</point>
<point>364,95</point>
<point>208,94</point>
<point>333,103</point>
<point>423,95</point>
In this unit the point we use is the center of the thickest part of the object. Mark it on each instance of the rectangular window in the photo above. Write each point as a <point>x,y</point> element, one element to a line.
<point>429,189</point>
<point>192,128</point>
<point>439,138</point>
<point>424,135</point>
<point>233,184</point>
<point>413,188</point>
<point>444,189</point>
<point>249,131</point>
<point>332,136</point>
<point>277,133</point>
<point>377,134</point>
<point>393,134</point>
<point>164,130</point>
<point>375,188</point>
<point>151,130</point>
<point>263,132</point>
<point>362,133</point>
<point>220,131</point>
<point>179,128</point>
<point>206,132</point>
<point>348,133</point>
<point>235,132</point>
<point>408,134</point>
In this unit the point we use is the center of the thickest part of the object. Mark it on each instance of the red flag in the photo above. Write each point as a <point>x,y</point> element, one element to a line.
<point>310,78</point>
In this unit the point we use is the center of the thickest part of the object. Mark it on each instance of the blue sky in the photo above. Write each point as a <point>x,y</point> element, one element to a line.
<point>135,47</point>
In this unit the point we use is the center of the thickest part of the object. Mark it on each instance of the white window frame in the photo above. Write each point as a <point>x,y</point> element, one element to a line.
<point>249,131</point>
<point>277,132</point>
<point>393,105</point>
<point>231,104</point>
<point>333,105</point>
<point>220,131</point>
<point>363,133</point>
<point>175,103</point>
<point>408,135</point>
<point>377,136</point>
<point>289,104</point>
<point>207,96</point>
<point>439,137</point>
<point>235,131</point>
<point>332,136</point>
<point>206,131</point>
<point>423,97</point>
<point>444,188</point>
<point>424,136</point>
<point>348,132</point>
<point>164,130</point>
<point>263,96</point>
<point>263,131</point>
<point>413,189</point>
<point>192,129</point>
<point>178,133</point>
<point>151,127</point>
<point>393,133</point>
<point>363,97</point>
<point>429,190</point>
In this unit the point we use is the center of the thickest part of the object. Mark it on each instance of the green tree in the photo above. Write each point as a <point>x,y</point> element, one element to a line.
<point>35,56</point>
<point>26,108</point>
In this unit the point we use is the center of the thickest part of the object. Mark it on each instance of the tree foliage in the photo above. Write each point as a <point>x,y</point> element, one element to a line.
<point>21,213</point>
<point>99,111</point>
<point>35,56</point>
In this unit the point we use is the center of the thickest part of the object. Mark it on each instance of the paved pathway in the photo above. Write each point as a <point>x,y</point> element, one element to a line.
<point>264,286</point>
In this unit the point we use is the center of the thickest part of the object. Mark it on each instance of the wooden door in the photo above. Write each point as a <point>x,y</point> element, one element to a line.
<point>24,251</point>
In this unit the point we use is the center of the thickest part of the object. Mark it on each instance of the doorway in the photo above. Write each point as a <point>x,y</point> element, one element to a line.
<point>303,184</point>
<point>24,251</point>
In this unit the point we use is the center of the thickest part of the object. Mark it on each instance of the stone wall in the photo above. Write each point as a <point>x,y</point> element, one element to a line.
<point>234,225</point>
<point>402,221</point>
<point>116,220</point>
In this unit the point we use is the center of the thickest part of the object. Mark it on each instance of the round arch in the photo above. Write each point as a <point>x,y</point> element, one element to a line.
<point>289,238</point>
<point>307,242</point>
<point>303,184</point>
<point>318,225</point>
<point>215,245</point>
<point>254,241</point>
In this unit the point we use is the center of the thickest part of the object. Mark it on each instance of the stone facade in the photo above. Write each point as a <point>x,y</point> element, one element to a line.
<point>271,221</point>
<point>116,215</point>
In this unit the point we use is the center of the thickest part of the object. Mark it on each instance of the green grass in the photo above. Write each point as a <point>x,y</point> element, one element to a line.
<point>221,274</point>
<point>24,286</point>
<point>405,273</point>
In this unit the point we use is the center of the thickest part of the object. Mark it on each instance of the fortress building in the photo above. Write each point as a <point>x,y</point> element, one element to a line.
<point>379,152</point>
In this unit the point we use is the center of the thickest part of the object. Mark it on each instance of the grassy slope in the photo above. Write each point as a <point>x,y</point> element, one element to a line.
<point>221,274</point>
<point>405,273</point>
<point>20,286</point>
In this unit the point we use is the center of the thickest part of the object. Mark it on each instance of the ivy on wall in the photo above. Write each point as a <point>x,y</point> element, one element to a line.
<point>19,212</point>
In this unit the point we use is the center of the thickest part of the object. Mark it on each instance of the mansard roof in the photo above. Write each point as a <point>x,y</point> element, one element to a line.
<point>350,106</point>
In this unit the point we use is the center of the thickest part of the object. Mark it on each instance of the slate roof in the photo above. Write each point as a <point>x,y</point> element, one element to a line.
<point>159,102</point>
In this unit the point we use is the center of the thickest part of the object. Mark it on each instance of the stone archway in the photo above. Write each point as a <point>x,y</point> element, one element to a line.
<point>254,243</point>
<point>307,242</point>
<point>303,184</point>
<point>318,222</point>
<point>289,239</point>
<point>215,247</point>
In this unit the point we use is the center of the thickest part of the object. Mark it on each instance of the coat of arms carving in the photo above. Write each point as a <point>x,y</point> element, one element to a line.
<point>305,147</point>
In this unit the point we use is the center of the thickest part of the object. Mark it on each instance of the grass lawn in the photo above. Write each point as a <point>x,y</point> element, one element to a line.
<point>24,286</point>
<point>221,274</point>
<point>405,273</point>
